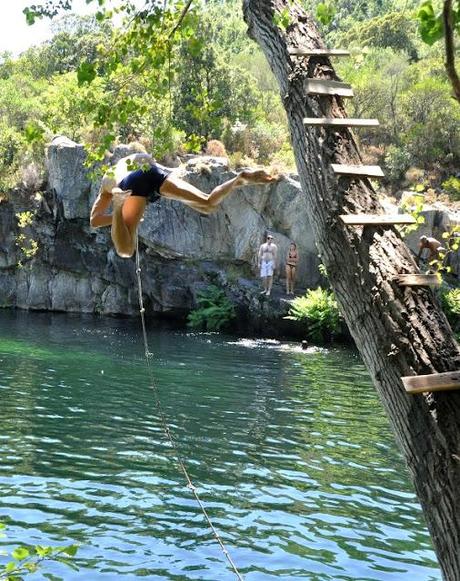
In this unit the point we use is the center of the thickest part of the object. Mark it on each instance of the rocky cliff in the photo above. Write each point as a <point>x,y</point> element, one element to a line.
<point>77,270</point>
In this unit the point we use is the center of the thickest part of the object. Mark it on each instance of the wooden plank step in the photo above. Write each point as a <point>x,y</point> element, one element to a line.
<point>318,52</point>
<point>418,280</point>
<point>341,122</point>
<point>434,382</point>
<point>324,87</point>
<point>377,219</point>
<point>367,171</point>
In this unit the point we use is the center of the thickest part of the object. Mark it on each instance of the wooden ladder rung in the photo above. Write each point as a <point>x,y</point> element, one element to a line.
<point>377,219</point>
<point>367,171</point>
<point>341,122</point>
<point>434,382</point>
<point>325,87</point>
<point>318,52</point>
<point>418,280</point>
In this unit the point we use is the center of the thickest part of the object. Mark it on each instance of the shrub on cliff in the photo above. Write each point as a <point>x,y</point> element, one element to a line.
<point>214,311</point>
<point>318,310</point>
<point>450,302</point>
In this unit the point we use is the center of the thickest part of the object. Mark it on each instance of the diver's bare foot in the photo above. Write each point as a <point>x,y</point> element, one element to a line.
<point>255,176</point>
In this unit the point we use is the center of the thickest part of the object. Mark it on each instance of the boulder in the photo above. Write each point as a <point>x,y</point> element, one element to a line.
<point>68,177</point>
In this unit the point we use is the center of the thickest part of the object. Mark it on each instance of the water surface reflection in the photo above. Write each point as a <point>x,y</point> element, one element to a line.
<point>291,452</point>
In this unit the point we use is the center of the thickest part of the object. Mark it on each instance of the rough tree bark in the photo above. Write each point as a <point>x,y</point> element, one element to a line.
<point>448,20</point>
<point>398,330</point>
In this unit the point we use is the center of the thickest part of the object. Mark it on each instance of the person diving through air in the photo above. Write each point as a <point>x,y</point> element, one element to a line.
<point>137,179</point>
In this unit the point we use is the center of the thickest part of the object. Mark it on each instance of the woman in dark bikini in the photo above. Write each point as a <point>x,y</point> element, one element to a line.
<point>292,260</point>
<point>137,180</point>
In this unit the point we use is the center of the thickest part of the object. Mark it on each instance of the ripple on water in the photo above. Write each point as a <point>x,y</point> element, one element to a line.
<point>290,450</point>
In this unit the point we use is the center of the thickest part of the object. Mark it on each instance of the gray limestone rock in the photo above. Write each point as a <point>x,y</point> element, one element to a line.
<point>68,177</point>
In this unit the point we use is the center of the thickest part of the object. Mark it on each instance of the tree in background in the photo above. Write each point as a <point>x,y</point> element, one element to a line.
<point>209,90</point>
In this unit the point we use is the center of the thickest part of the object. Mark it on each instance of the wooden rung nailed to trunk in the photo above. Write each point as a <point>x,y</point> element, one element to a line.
<point>324,87</point>
<point>418,280</point>
<point>340,122</point>
<point>318,52</point>
<point>435,382</point>
<point>377,219</point>
<point>367,171</point>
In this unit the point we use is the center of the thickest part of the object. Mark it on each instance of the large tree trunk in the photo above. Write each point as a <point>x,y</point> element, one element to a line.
<point>399,331</point>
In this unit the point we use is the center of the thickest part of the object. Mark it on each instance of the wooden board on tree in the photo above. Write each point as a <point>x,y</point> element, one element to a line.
<point>340,122</point>
<point>435,382</point>
<point>418,280</point>
<point>325,87</point>
<point>377,219</point>
<point>318,52</point>
<point>367,171</point>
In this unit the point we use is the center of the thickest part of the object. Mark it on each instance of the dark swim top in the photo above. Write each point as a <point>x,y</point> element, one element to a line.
<point>145,182</point>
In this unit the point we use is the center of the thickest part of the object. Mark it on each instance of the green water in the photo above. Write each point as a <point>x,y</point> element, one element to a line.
<point>291,453</point>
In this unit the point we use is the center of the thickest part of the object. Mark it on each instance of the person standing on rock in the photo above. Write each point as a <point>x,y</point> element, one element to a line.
<point>267,257</point>
<point>292,259</point>
<point>137,179</point>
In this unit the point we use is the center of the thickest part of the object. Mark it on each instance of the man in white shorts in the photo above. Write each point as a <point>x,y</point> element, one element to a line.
<point>267,263</point>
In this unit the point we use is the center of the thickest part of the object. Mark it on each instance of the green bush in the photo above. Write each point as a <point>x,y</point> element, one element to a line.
<point>12,147</point>
<point>452,187</point>
<point>318,309</point>
<point>431,121</point>
<point>397,162</point>
<point>214,311</point>
<point>450,302</point>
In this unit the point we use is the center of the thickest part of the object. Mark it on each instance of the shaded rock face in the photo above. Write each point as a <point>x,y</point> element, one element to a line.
<point>182,251</point>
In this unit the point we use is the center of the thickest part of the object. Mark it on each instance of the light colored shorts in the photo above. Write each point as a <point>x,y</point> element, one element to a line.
<point>266,268</point>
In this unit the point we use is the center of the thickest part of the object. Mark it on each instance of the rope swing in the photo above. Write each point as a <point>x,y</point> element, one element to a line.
<point>169,436</point>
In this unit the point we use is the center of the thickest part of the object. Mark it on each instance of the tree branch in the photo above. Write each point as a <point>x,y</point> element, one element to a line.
<point>448,18</point>
<point>181,18</point>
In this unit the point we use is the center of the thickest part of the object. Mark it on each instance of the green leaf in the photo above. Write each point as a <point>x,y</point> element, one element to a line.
<point>283,20</point>
<point>20,553</point>
<point>33,132</point>
<point>71,550</point>
<point>86,73</point>
<point>430,24</point>
<point>43,551</point>
<point>11,566</point>
<point>325,12</point>
<point>31,567</point>
<point>30,16</point>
